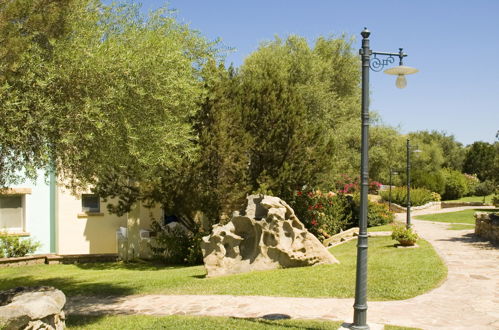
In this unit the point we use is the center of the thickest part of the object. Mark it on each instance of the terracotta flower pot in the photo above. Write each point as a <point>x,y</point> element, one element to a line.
<point>407,242</point>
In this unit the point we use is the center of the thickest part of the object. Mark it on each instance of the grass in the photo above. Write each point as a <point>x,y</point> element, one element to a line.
<point>133,322</point>
<point>488,199</point>
<point>388,227</point>
<point>393,274</point>
<point>137,322</point>
<point>460,226</point>
<point>465,216</point>
<point>396,327</point>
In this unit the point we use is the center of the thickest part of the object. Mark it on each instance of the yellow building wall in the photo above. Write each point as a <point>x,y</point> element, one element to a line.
<point>82,233</point>
<point>134,246</point>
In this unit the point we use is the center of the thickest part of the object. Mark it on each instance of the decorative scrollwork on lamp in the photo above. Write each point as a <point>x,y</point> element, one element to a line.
<point>378,64</point>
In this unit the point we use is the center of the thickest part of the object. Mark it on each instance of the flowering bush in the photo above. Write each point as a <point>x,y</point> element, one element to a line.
<point>348,185</point>
<point>326,214</point>
<point>323,214</point>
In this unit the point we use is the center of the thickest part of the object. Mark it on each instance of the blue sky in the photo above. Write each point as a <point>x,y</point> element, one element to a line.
<point>454,44</point>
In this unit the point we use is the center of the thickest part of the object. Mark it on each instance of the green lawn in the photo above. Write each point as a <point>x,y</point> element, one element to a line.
<point>393,274</point>
<point>488,199</point>
<point>133,322</point>
<point>465,216</point>
<point>460,226</point>
<point>388,227</point>
<point>395,327</point>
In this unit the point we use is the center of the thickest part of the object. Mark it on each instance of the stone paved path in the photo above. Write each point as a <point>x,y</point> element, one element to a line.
<point>468,299</point>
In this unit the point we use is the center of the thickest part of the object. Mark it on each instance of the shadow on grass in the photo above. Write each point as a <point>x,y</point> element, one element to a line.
<point>141,265</point>
<point>281,321</point>
<point>73,320</point>
<point>69,286</point>
<point>473,240</point>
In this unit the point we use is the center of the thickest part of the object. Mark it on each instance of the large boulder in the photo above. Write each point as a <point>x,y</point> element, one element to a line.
<point>32,308</point>
<point>267,235</point>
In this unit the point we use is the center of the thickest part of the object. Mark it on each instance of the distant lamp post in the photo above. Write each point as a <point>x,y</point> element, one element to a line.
<point>392,172</point>
<point>376,64</point>
<point>408,170</point>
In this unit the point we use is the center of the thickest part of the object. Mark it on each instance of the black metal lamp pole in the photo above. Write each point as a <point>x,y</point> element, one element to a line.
<point>360,305</point>
<point>390,189</point>
<point>408,173</point>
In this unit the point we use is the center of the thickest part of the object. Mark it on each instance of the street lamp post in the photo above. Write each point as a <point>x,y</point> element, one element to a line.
<point>408,174</point>
<point>376,64</point>
<point>390,188</point>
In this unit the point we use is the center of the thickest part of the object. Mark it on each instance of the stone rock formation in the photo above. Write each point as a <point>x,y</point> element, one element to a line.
<point>32,308</point>
<point>267,235</point>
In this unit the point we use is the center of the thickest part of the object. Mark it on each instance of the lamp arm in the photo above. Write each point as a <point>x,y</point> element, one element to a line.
<point>378,64</point>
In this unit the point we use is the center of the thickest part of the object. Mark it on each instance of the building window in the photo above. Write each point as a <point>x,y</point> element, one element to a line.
<point>90,203</point>
<point>12,213</point>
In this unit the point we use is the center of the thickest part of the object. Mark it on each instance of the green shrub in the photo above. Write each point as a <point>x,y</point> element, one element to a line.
<point>472,183</point>
<point>323,214</point>
<point>495,200</point>
<point>455,184</point>
<point>326,214</point>
<point>433,181</point>
<point>15,246</point>
<point>419,196</point>
<point>485,188</point>
<point>405,236</point>
<point>377,214</point>
<point>436,197</point>
<point>176,245</point>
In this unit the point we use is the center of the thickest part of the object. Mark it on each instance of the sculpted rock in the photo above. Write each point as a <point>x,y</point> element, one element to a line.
<point>32,308</point>
<point>267,235</point>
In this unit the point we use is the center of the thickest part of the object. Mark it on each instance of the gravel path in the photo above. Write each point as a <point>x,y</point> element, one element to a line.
<point>468,299</point>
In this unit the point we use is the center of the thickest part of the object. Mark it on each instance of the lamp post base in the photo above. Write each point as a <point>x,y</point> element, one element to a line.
<point>359,327</point>
<point>371,326</point>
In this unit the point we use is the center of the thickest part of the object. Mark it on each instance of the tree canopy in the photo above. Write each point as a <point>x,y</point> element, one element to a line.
<point>298,106</point>
<point>482,159</point>
<point>107,96</point>
<point>139,107</point>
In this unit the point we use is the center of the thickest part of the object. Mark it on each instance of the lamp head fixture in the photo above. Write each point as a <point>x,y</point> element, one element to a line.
<point>401,71</point>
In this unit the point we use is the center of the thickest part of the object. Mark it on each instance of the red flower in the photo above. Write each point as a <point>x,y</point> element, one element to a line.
<point>298,193</point>
<point>313,222</point>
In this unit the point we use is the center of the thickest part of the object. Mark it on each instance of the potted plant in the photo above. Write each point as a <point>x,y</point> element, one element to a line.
<point>405,236</point>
